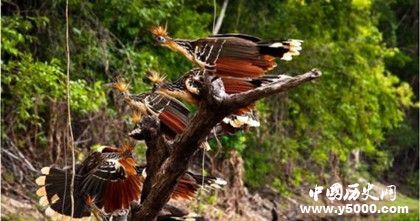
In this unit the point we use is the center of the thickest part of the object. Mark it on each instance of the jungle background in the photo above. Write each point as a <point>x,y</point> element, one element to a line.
<point>358,123</point>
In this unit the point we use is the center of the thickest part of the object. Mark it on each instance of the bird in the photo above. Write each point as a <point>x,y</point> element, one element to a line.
<point>172,113</point>
<point>107,179</point>
<point>232,55</point>
<point>106,182</point>
<point>187,90</point>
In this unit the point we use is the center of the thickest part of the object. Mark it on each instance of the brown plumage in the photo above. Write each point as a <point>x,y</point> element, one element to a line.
<point>176,124</point>
<point>173,114</point>
<point>185,89</point>
<point>105,182</point>
<point>234,55</point>
<point>189,183</point>
<point>107,179</point>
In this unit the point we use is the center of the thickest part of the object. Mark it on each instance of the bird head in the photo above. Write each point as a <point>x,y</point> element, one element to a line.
<point>161,36</point>
<point>163,39</point>
<point>157,80</point>
<point>155,77</point>
<point>119,85</point>
<point>178,89</point>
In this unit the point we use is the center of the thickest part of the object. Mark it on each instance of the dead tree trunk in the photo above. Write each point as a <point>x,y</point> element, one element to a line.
<point>168,160</point>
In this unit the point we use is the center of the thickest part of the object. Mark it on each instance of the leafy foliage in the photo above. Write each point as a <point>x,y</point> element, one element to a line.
<point>357,100</point>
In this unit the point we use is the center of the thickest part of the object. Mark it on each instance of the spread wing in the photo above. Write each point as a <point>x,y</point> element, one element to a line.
<point>112,181</point>
<point>234,85</point>
<point>239,55</point>
<point>172,113</point>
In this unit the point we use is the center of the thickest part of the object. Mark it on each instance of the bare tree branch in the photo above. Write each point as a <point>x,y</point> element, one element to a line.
<point>167,162</point>
<point>283,84</point>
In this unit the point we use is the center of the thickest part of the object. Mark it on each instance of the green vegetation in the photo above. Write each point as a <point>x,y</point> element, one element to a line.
<point>358,100</point>
<point>364,105</point>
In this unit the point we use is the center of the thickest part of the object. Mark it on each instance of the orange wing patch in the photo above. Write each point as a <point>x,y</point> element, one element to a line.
<point>172,122</point>
<point>233,85</point>
<point>119,195</point>
<point>129,166</point>
<point>235,67</point>
<point>269,62</point>
<point>185,189</point>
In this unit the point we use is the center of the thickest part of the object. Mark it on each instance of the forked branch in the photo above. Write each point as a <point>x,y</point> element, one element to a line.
<point>170,160</point>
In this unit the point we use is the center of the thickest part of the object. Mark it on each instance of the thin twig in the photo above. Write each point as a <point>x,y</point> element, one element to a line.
<point>82,134</point>
<point>219,22</point>
<point>202,174</point>
<point>10,154</point>
<point>214,15</point>
<point>19,156</point>
<point>69,127</point>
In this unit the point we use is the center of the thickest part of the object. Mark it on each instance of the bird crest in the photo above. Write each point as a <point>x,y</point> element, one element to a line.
<point>136,117</point>
<point>159,31</point>
<point>120,85</point>
<point>155,77</point>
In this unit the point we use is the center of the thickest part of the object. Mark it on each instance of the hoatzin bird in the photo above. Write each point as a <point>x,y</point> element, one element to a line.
<point>233,55</point>
<point>185,89</point>
<point>172,113</point>
<point>105,182</point>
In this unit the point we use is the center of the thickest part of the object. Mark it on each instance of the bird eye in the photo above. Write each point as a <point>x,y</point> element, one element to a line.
<point>155,87</point>
<point>161,39</point>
